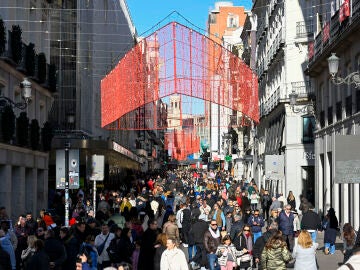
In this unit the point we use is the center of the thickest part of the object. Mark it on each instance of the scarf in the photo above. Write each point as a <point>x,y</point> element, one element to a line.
<point>215,234</point>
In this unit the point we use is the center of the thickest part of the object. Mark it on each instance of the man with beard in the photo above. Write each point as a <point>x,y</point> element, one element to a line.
<point>147,249</point>
<point>212,239</point>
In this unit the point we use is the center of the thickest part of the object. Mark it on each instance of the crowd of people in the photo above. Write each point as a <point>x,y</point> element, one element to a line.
<point>184,219</point>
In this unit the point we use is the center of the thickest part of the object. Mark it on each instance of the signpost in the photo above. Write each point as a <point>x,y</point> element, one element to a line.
<point>97,173</point>
<point>67,173</point>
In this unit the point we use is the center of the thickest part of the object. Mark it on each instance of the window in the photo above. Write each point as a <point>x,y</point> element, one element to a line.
<point>308,129</point>
<point>212,18</point>
<point>232,21</point>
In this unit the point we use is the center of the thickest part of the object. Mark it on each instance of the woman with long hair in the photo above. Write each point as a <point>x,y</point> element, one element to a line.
<point>27,253</point>
<point>349,237</point>
<point>304,252</point>
<point>331,226</point>
<point>291,200</point>
<point>160,247</point>
<point>275,254</point>
<point>243,241</point>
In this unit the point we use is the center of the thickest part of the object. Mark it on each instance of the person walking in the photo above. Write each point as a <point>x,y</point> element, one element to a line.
<point>227,254</point>
<point>261,242</point>
<point>244,241</point>
<point>212,239</point>
<point>286,226</point>
<point>291,200</point>
<point>304,252</point>
<point>331,226</point>
<point>265,204</point>
<point>349,237</point>
<point>173,258</point>
<point>275,254</point>
<point>310,221</point>
<point>197,233</point>
<point>256,222</point>
<point>102,242</point>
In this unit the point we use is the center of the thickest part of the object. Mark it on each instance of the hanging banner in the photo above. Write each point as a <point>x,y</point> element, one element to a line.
<point>97,168</point>
<point>73,169</point>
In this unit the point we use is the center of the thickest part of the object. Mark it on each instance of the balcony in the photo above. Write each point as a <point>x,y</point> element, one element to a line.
<point>278,43</point>
<point>338,35</point>
<point>304,29</point>
<point>303,89</point>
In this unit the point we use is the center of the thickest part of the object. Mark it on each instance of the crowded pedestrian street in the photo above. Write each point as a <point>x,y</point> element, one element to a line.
<point>179,135</point>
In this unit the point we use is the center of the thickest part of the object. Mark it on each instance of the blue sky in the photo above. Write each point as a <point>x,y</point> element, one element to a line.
<point>147,13</point>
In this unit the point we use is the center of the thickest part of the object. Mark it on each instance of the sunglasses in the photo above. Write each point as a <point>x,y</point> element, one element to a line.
<point>213,224</point>
<point>246,230</point>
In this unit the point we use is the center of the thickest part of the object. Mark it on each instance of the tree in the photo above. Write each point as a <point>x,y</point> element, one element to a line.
<point>52,78</point>
<point>34,134</point>
<point>16,43</point>
<point>41,67</point>
<point>30,59</point>
<point>2,36</point>
<point>7,123</point>
<point>22,129</point>
<point>47,135</point>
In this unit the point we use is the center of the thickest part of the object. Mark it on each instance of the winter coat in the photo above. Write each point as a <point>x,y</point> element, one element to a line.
<point>259,220</point>
<point>310,221</point>
<point>286,223</point>
<point>39,261</point>
<point>198,231</point>
<point>260,245</point>
<point>265,201</point>
<point>6,245</point>
<point>305,257</point>
<point>173,260</point>
<point>223,253</point>
<point>275,258</point>
<point>5,263</point>
<point>236,228</point>
<point>210,242</point>
<point>159,251</point>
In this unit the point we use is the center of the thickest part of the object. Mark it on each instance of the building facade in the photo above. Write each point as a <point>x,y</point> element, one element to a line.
<point>280,49</point>
<point>225,23</point>
<point>23,159</point>
<point>337,105</point>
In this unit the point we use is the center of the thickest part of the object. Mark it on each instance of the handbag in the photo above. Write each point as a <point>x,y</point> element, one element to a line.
<point>101,247</point>
<point>243,258</point>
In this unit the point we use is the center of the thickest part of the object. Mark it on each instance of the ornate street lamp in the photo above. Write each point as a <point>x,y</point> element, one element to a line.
<point>352,78</point>
<point>308,108</point>
<point>25,86</point>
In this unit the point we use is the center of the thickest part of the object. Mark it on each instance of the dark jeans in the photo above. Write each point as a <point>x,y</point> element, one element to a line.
<point>200,255</point>
<point>289,239</point>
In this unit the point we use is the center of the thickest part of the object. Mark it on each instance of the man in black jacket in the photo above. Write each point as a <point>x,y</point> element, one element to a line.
<point>261,242</point>
<point>197,233</point>
<point>236,227</point>
<point>310,222</point>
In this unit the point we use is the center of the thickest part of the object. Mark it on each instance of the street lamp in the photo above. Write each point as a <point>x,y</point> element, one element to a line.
<point>308,108</point>
<point>25,86</point>
<point>352,78</point>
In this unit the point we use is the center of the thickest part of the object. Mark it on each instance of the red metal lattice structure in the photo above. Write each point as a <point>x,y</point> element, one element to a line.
<point>176,60</point>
